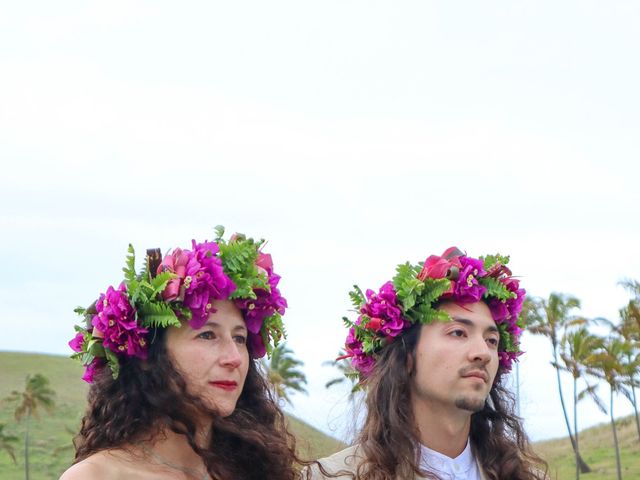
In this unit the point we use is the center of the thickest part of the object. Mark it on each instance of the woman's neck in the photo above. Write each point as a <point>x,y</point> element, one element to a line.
<point>174,449</point>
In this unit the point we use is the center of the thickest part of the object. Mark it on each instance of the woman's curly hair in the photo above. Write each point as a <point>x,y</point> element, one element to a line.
<point>150,396</point>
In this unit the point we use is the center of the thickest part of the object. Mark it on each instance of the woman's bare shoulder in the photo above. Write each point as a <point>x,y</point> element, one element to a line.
<point>102,465</point>
<point>95,467</point>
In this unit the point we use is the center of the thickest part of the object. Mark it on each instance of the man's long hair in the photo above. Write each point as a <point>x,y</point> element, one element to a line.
<point>389,439</point>
<point>150,396</point>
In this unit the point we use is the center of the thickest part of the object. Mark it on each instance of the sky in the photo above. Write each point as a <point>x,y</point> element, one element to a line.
<point>353,135</point>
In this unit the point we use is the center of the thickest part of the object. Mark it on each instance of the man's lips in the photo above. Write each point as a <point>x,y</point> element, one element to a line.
<point>224,384</point>
<point>477,374</point>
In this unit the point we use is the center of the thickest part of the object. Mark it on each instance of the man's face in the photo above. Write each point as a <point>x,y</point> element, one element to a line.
<point>456,362</point>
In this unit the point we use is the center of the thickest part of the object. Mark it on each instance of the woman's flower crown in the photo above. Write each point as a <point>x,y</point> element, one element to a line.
<point>181,287</point>
<point>411,296</point>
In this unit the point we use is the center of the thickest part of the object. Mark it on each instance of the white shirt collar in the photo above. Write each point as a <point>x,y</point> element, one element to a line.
<point>462,467</point>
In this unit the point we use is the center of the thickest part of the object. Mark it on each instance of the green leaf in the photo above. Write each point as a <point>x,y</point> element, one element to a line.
<point>130,266</point>
<point>113,363</point>
<point>407,286</point>
<point>219,229</point>
<point>357,297</point>
<point>160,281</point>
<point>495,288</point>
<point>157,314</point>
<point>434,288</point>
<point>490,260</point>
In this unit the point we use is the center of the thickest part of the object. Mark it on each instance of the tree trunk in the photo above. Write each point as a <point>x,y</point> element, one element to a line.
<point>26,447</point>
<point>575,425</point>
<point>584,468</point>
<point>615,437</point>
<point>635,408</point>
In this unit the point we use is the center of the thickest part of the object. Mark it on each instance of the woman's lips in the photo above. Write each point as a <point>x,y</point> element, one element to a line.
<point>227,385</point>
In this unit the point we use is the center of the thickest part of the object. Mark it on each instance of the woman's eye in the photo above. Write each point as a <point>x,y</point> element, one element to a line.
<point>457,333</point>
<point>208,335</point>
<point>493,341</point>
<point>240,339</point>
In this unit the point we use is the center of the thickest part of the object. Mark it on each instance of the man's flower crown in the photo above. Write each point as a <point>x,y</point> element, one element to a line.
<point>181,287</point>
<point>412,295</point>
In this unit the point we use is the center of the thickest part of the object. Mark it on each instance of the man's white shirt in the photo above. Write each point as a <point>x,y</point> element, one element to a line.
<point>463,467</point>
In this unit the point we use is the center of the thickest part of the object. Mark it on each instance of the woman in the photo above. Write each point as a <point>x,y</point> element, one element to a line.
<point>176,391</point>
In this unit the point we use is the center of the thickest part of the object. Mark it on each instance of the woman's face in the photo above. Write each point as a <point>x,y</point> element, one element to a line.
<point>213,360</point>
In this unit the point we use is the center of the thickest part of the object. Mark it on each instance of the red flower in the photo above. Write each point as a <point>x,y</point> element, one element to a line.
<point>440,267</point>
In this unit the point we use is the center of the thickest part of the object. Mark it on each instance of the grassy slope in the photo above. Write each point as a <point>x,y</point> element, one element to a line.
<point>596,448</point>
<point>51,435</point>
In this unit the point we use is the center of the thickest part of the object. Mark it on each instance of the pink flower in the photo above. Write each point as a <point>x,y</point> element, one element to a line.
<point>439,267</point>
<point>265,262</point>
<point>175,262</point>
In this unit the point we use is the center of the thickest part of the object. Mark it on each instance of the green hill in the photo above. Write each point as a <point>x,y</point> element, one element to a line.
<point>51,450</point>
<point>596,448</point>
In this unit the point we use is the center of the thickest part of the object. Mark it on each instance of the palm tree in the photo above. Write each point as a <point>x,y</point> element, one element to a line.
<point>577,349</point>
<point>6,443</point>
<point>347,375</point>
<point>283,372</point>
<point>629,329</point>
<point>607,364</point>
<point>35,395</point>
<point>552,318</point>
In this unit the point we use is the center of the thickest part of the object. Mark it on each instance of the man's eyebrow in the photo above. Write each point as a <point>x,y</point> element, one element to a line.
<point>469,323</point>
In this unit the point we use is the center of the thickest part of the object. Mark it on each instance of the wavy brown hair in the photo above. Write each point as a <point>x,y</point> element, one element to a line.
<point>389,439</point>
<point>150,396</point>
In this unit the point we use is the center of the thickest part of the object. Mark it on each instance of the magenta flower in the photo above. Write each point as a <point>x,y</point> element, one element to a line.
<point>76,342</point>
<point>507,359</point>
<point>360,361</point>
<point>116,324</point>
<point>466,288</point>
<point>384,306</point>
<point>255,311</point>
<point>91,369</point>
<point>204,281</point>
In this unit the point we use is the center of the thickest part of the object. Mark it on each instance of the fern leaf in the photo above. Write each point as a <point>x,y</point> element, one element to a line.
<point>496,289</point>
<point>157,314</point>
<point>130,266</point>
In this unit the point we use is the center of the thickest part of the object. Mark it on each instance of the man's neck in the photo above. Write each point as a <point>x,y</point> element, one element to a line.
<point>443,429</point>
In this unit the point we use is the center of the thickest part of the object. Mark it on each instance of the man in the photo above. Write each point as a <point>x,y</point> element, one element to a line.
<point>431,349</point>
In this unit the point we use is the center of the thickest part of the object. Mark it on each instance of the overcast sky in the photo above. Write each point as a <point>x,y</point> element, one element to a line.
<point>353,135</point>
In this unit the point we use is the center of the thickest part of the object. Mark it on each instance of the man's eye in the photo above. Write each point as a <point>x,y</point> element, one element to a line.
<point>457,333</point>
<point>493,341</point>
<point>208,335</point>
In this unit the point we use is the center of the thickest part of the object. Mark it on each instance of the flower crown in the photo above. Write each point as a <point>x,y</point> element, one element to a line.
<point>181,287</point>
<point>411,296</point>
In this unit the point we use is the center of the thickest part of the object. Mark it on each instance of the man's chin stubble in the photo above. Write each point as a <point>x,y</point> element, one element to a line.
<point>472,404</point>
